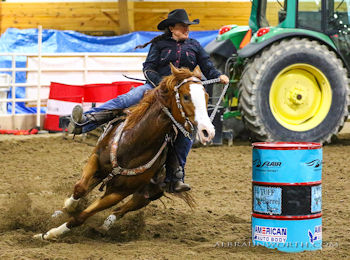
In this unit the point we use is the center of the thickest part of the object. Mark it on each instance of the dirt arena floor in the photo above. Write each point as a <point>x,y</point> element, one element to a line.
<point>38,172</point>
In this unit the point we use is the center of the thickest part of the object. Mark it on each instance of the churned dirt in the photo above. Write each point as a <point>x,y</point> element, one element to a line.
<point>37,173</point>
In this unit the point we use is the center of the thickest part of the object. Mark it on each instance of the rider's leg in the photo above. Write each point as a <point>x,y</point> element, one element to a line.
<point>84,122</point>
<point>98,115</point>
<point>175,164</point>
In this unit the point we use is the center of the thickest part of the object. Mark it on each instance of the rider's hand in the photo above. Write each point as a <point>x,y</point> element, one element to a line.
<point>224,79</point>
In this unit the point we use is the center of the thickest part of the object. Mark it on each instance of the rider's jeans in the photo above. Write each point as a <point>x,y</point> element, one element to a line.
<point>123,101</point>
<point>182,147</point>
<point>182,144</point>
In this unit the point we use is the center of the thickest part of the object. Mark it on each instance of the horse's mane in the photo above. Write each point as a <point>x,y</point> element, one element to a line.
<point>162,92</point>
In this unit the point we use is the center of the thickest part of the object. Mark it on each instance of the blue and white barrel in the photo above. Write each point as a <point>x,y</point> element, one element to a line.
<point>287,196</point>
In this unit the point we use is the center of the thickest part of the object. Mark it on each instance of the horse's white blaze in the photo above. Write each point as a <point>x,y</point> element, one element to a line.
<point>206,130</point>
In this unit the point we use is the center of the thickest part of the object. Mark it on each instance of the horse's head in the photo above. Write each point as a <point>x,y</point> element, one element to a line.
<point>188,100</point>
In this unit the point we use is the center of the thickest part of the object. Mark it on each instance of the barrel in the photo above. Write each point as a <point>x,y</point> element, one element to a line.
<point>287,195</point>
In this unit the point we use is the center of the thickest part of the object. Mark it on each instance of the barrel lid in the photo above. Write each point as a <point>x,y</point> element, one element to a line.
<point>286,145</point>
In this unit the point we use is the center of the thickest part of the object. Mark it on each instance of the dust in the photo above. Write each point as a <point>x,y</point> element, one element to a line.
<point>20,214</point>
<point>38,174</point>
<point>131,227</point>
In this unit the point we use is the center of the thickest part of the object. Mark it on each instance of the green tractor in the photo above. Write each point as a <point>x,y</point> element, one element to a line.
<point>288,69</point>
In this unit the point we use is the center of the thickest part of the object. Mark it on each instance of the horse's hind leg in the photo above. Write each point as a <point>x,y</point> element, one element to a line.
<point>102,203</point>
<point>85,184</point>
<point>138,201</point>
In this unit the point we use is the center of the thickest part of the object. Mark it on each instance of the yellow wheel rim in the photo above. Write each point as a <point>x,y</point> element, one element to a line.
<point>300,97</point>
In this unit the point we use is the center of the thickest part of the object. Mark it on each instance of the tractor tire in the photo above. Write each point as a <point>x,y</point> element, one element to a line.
<point>295,90</point>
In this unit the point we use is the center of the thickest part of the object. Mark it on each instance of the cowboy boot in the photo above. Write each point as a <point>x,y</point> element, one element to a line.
<point>78,119</point>
<point>179,185</point>
<point>174,175</point>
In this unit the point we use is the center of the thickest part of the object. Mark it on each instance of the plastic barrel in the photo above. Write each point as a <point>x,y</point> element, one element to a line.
<point>287,196</point>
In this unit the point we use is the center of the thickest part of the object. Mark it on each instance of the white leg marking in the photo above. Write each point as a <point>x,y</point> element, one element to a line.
<point>70,204</point>
<point>53,233</point>
<point>109,222</point>
<point>56,232</point>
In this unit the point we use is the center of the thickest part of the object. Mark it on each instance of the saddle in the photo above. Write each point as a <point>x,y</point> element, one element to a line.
<point>159,178</point>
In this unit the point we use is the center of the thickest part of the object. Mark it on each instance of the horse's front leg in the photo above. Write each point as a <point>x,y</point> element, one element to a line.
<point>100,204</point>
<point>84,185</point>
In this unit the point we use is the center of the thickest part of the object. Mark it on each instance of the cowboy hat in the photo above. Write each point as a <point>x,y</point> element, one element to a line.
<point>176,16</point>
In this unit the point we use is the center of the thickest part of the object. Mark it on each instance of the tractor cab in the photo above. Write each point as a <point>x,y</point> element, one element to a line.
<point>316,15</point>
<point>328,19</point>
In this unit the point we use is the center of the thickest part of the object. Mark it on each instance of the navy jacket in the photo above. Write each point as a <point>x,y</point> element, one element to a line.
<point>188,53</point>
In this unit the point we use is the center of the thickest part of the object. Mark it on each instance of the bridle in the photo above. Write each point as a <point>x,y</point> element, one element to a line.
<point>180,107</point>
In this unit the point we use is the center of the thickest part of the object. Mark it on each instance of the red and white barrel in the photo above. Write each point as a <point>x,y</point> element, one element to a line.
<point>63,98</point>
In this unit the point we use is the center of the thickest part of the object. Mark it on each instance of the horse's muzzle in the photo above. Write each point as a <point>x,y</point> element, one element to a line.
<point>206,133</point>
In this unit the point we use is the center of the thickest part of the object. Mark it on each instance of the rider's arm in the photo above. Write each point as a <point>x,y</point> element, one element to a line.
<point>150,66</point>
<point>204,62</point>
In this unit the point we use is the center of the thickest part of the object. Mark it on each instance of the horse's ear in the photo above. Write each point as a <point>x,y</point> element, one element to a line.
<point>174,70</point>
<point>197,72</point>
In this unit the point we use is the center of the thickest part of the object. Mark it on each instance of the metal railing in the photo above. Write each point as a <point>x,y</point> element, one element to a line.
<point>85,69</point>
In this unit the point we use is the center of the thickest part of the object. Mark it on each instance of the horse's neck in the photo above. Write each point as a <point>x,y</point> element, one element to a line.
<point>145,138</point>
<point>153,125</point>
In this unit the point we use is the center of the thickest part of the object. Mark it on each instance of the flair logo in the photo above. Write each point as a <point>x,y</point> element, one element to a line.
<point>315,163</point>
<point>257,163</point>
<point>270,234</point>
<point>317,235</point>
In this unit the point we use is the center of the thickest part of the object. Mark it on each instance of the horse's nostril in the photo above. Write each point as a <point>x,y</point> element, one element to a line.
<point>205,133</point>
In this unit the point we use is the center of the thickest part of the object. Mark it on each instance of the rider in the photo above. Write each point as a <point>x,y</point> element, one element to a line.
<point>173,46</point>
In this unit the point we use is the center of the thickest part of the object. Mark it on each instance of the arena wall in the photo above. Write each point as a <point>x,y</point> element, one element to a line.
<point>103,18</point>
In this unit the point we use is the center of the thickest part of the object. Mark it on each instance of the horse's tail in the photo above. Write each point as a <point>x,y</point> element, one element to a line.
<point>187,197</point>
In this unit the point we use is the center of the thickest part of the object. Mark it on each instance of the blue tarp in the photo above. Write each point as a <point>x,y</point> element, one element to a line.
<point>54,41</point>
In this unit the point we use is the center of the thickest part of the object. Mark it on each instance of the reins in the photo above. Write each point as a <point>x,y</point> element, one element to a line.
<point>117,170</point>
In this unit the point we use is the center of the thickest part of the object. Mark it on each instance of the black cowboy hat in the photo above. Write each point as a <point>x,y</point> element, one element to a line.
<point>176,16</point>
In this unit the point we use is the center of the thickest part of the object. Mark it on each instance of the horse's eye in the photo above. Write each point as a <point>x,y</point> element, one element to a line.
<point>187,97</point>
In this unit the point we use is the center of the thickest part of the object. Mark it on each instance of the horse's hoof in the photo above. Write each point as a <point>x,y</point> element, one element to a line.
<point>39,236</point>
<point>57,214</point>
<point>43,237</point>
<point>100,230</point>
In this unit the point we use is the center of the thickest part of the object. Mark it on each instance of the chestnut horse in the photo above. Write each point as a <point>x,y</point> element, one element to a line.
<point>139,140</point>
